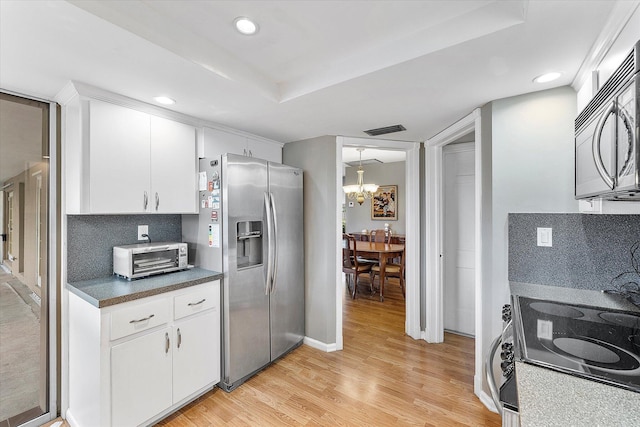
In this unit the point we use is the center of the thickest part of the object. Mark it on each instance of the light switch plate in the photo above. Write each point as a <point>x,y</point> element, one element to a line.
<point>545,237</point>
<point>143,229</point>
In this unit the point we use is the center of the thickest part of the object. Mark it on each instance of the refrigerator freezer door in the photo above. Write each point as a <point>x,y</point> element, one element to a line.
<point>287,297</point>
<point>246,304</point>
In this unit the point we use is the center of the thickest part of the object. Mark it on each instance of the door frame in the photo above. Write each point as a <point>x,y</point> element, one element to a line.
<point>434,326</point>
<point>412,224</point>
<point>50,145</point>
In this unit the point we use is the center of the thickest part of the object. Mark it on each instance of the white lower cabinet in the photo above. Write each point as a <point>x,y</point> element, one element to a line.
<point>136,362</point>
<point>141,378</point>
<point>192,367</point>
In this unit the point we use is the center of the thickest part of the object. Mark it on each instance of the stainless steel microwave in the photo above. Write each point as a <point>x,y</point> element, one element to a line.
<point>606,136</point>
<point>145,259</point>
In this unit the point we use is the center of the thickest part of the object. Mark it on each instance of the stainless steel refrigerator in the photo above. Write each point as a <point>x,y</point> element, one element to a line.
<point>251,227</point>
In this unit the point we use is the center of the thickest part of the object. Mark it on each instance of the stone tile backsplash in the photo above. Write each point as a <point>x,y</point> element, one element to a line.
<point>91,238</point>
<point>588,251</point>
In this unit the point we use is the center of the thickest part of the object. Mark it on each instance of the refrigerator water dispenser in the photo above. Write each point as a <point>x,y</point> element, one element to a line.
<point>249,243</point>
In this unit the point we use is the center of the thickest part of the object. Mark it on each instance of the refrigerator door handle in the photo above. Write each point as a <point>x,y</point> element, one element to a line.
<point>275,243</point>
<point>267,207</point>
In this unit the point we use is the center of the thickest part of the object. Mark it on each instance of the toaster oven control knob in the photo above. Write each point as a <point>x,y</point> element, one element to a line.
<point>506,312</point>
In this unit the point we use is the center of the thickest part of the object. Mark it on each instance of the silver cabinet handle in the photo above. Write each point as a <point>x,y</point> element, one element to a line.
<point>179,338</point>
<point>145,201</point>
<point>144,319</point>
<point>157,201</point>
<point>167,343</point>
<point>191,304</point>
<point>596,149</point>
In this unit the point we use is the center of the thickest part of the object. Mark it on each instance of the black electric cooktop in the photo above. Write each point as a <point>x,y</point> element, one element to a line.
<point>592,342</point>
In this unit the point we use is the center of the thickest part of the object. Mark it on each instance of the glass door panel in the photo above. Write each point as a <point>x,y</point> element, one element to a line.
<point>24,181</point>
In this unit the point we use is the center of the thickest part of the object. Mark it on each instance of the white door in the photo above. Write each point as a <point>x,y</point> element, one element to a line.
<point>10,248</point>
<point>173,167</point>
<point>459,238</point>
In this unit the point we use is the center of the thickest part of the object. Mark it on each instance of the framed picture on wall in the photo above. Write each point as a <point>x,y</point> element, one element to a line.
<point>384,203</point>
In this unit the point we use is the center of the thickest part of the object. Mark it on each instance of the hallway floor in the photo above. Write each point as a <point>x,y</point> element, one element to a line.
<point>19,348</point>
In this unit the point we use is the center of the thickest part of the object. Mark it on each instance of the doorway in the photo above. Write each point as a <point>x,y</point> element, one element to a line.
<point>459,238</point>
<point>434,289</point>
<point>26,335</point>
<point>412,218</point>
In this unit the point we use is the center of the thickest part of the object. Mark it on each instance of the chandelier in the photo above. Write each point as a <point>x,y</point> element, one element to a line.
<point>360,191</point>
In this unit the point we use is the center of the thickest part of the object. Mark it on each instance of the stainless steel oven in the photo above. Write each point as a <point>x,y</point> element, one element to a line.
<point>600,344</point>
<point>504,391</point>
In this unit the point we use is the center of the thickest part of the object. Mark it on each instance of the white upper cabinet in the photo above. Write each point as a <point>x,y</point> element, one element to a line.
<point>173,167</point>
<point>119,162</point>
<point>217,142</point>
<point>124,161</point>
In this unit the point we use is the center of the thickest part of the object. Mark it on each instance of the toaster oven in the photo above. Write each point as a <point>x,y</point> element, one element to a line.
<point>145,259</point>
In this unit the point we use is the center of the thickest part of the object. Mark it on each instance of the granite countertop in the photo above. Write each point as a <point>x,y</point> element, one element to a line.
<point>111,290</point>
<point>548,397</point>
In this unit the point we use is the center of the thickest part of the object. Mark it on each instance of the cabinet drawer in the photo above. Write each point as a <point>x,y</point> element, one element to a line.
<point>136,318</point>
<point>199,300</point>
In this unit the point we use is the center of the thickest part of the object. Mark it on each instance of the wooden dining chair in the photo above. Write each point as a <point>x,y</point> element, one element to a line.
<point>392,269</point>
<point>380,236</point>
<point>351,265</point>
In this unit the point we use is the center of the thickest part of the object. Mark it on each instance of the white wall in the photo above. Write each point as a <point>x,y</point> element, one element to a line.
<point>532,142</point>
<point>358,217</point>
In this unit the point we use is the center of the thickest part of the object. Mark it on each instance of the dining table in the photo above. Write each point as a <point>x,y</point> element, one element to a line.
<point>382,252</point>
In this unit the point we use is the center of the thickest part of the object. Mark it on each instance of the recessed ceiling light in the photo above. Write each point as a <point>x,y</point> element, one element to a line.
<point>245,26</point>
<point>548,77</point>
<point>165,100</point>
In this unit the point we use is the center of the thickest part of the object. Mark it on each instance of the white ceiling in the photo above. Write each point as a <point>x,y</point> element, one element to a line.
<point>314,68</point>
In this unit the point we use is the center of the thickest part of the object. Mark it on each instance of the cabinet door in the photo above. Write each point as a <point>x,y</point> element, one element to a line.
<point>196,354</point>
<point>265,150</point>
<point>173,167</point>
<point>141,378</point>
<point>217,143</point>
<point>119,140</point>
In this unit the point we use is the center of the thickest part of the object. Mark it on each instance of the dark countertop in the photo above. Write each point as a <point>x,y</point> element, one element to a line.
<point>106,291</point>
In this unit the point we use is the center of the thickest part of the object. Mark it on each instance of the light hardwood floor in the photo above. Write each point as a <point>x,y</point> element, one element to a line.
<point>381,378</point>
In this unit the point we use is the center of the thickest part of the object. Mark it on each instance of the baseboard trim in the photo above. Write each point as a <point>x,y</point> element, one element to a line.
<point>487,401</point>
<point>327,348</point>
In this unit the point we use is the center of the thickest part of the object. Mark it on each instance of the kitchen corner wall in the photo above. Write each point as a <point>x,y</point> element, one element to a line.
<point>91,238</point>
<point>588,251</point>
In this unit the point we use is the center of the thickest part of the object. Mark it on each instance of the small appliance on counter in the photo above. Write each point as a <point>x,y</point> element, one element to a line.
<point>145,259</point>
<point>599,344</point>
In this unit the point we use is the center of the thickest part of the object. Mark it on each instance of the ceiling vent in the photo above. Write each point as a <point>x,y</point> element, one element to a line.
<point>385,130</point>
<point>364,162</point>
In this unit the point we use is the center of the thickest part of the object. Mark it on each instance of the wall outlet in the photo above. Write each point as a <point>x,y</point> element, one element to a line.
<point>143,229</point>
<point>545,237</point>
